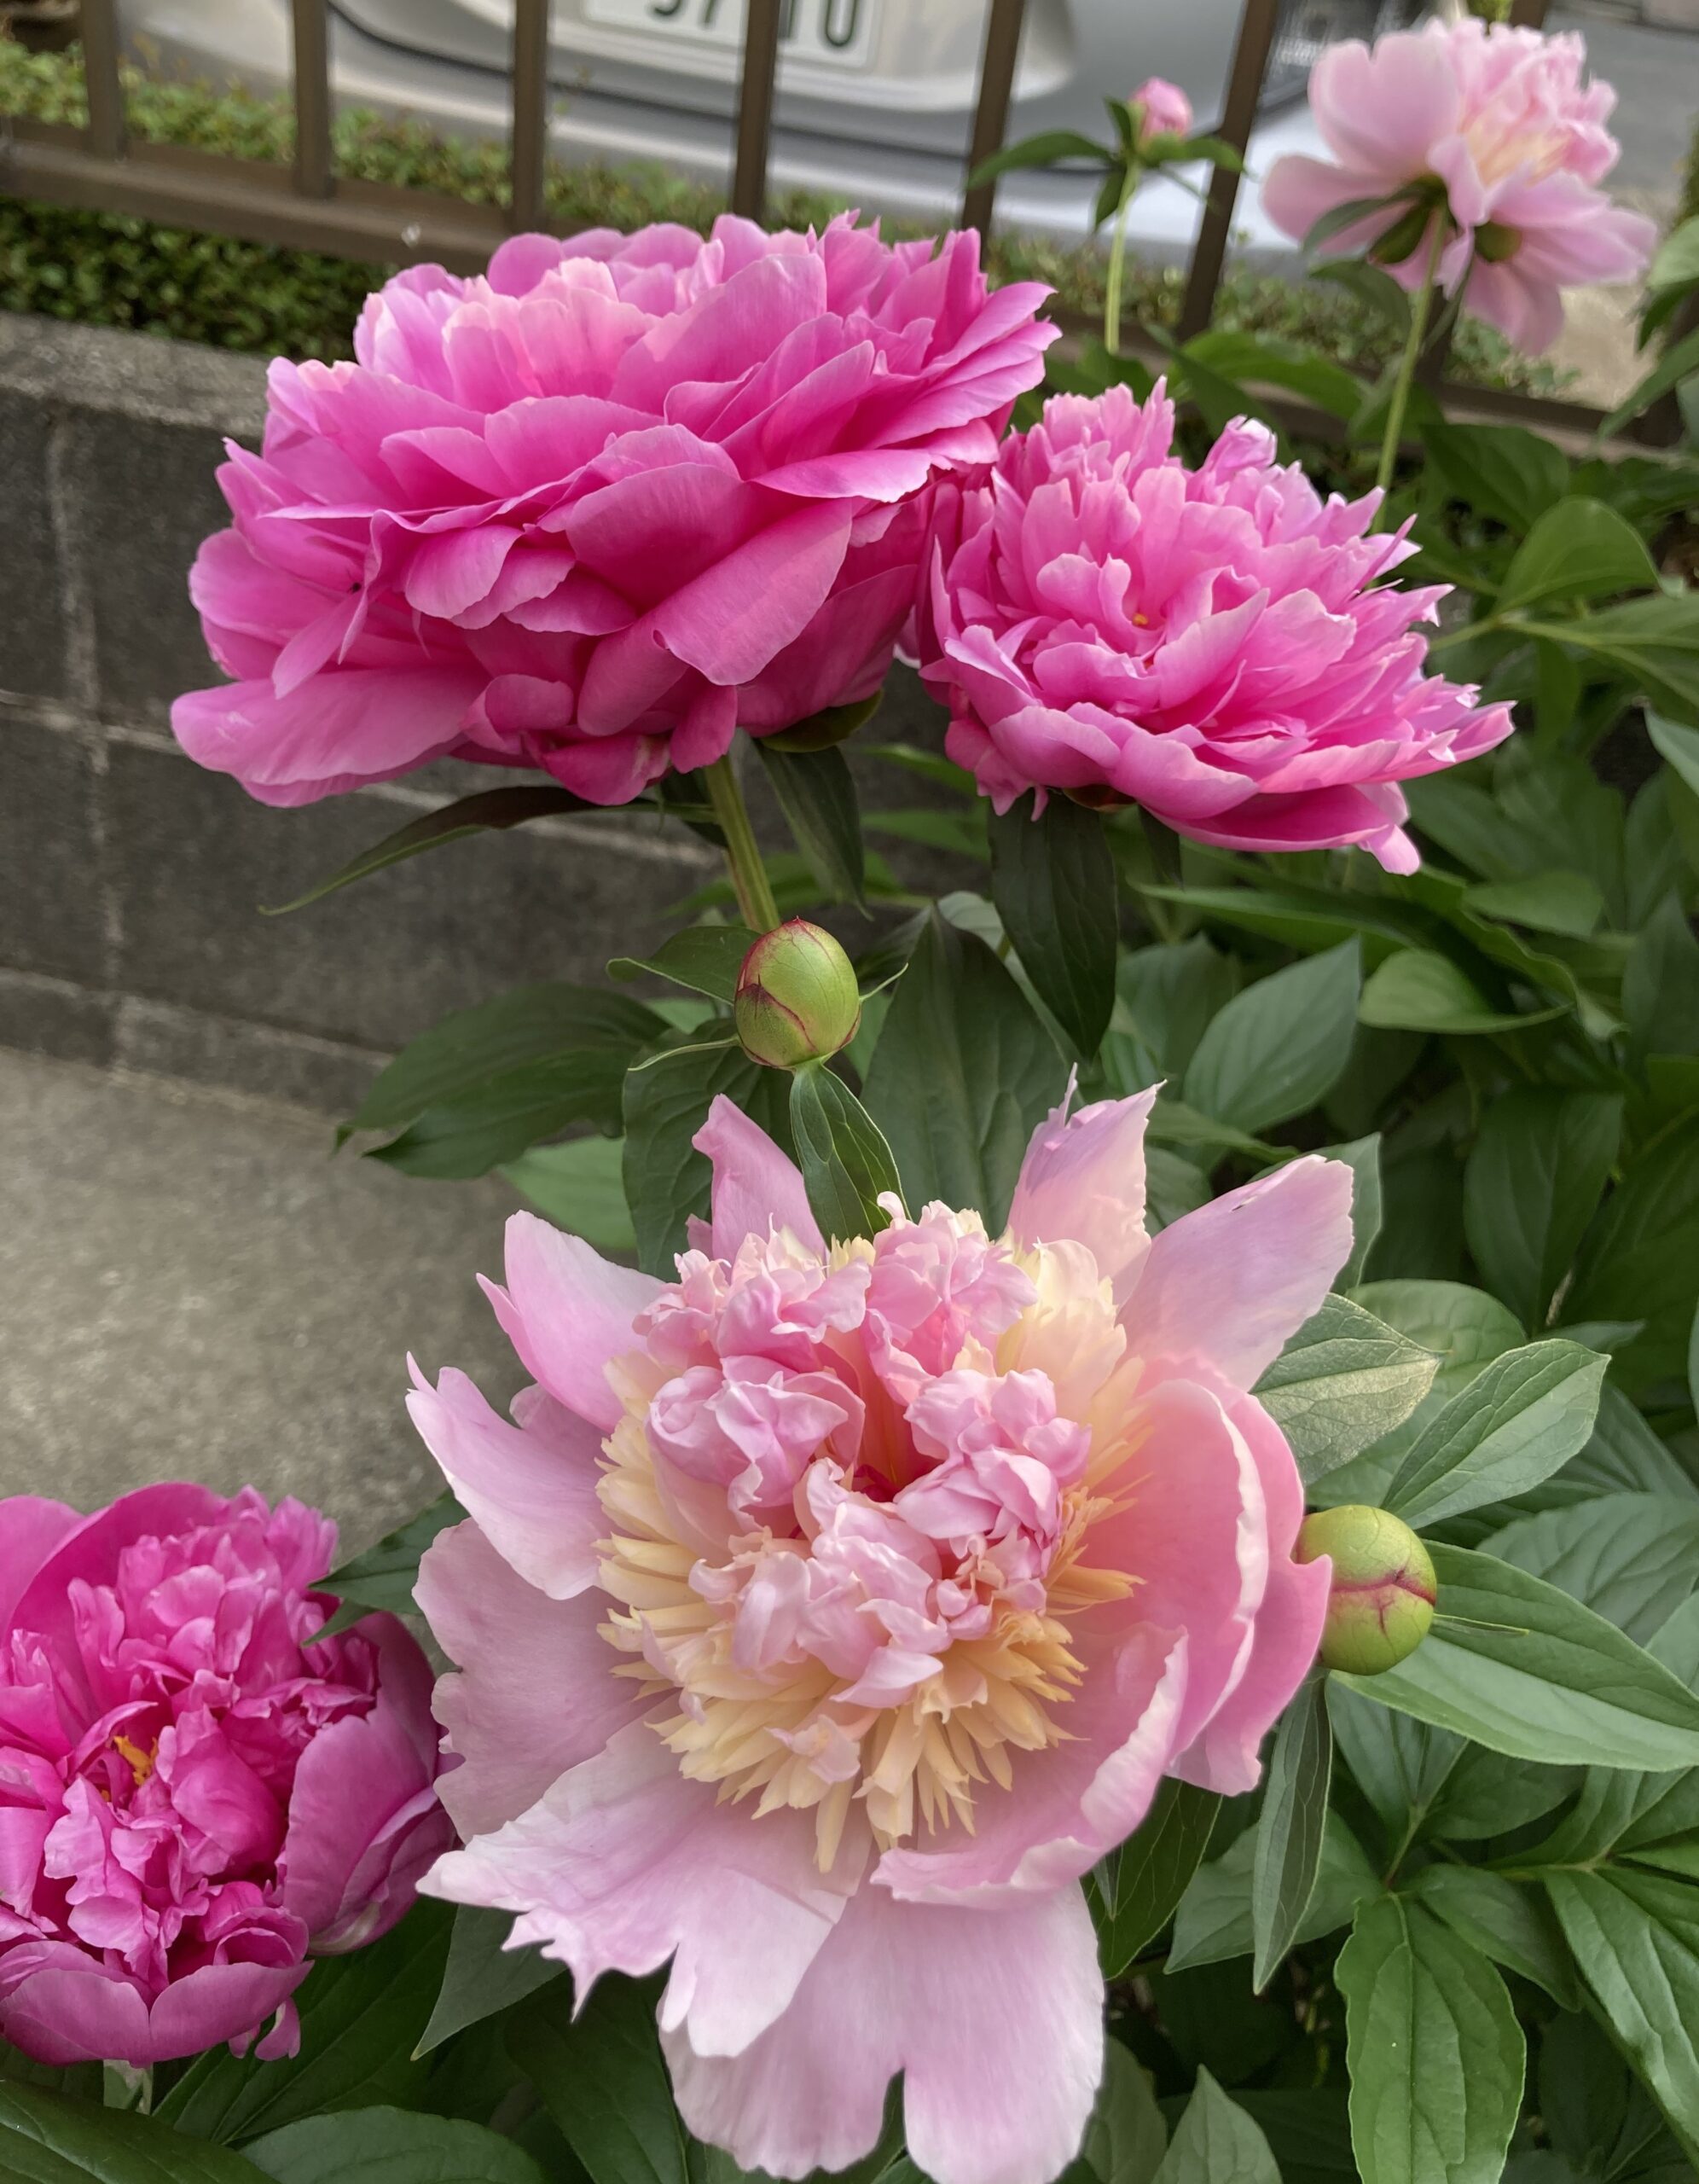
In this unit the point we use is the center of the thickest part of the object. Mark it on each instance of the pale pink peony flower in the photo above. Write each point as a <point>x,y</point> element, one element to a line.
<point>826,1614</point>
<point>194,1796</point>
<point>1161,108</point>
<point>1500,120</point>
<point>596,510</point>
<point>1211,644</point>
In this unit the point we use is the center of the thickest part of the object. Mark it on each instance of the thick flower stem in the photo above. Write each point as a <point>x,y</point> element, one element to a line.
<point>1117,259</point>
<point>749,883</point>
<point>1421,308</point>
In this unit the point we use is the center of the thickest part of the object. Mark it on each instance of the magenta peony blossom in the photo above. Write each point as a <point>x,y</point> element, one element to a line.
<point>1161,108</point>
<point>596,510</point>
<point>194,1797</point>
<point>1499,120</point>
<point>1203,642</point>
<point>826,1614</point>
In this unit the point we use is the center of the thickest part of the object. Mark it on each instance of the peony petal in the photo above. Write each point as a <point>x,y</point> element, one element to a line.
<point>994,2018</point>
<point>30,1529</point>
<point>533,1498</point>
<point>536,1691</point>
<point>624,1863</point>
<point>755,1186</point>
<point>1083,1178</point>
<point>1231,1283</point>
<point>569,1313</point>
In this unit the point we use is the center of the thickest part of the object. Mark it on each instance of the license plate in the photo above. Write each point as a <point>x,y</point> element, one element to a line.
<point>839,33</point>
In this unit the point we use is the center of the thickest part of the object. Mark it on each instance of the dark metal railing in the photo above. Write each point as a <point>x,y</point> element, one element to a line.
<point>308,206</point>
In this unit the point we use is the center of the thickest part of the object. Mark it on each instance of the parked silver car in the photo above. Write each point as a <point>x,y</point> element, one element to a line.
<point>875,97</point>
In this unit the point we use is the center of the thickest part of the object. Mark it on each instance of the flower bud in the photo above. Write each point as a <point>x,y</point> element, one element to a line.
<point>797,998</point>
<point>1381,1605</point>
<point>1160,109</point>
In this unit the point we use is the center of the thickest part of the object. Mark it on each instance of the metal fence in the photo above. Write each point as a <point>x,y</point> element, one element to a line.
<point>309,206</point>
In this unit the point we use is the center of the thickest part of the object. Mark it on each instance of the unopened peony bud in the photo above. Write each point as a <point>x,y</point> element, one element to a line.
<point>1382,1604</point>
<point>797,998</point>
<point>1163,109</point>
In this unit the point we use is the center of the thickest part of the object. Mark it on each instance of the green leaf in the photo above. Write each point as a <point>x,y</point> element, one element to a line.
<point>1636,1938</point>
<point>482,1975</point>
<point>470,1052</point>
<point>1506,472</point>
<point>1675,364</point>
<point>361,2017</point>
<point>666,1179</point>
<point>496,808</point>
<point>706,958</point>
<point>1678,745</point>
<point>1418,990</point>
<point>1653,642</point>
<point>1292,1828</point>
<point>1580,549</point>
<point>1372,286</point>
<point>1515,1663</point>
<point>1043,150</point>
<point>832,725</point>
<point>1550,902</point>
<point>1215,2142</point>
<point>388,2146</point>
<point>1534,1177</point>
<point>1520,1418</point>
<point>579,1186</point>
<point>1631,1558</point>
<point>845,1161</point>
<point>1435,2054</point>
<point>1363,1158</point>
<point>602,2078</point>
<point>1134,1890</point>
<point>1640,1258</point>
<point>1052,879</point>
<point>1660,982</point>
<point>1276,1050</point>
<point>816,794</point>
<point>1127,2137</point>
<point>50,2138</point>
<point>1165,996</point>
<point>1399,1765</point>
<point>963,1072</point>
<point>1266,361</point>
<point>1213,1922</point>
<point>385,1575</point>
<point>1504,1921</point>
<point>1344,1382</point>
<point>504,1120</point>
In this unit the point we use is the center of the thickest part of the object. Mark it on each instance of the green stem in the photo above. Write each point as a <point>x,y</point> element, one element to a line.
<point>750,882</point>
<point>1419,311</point>
<point>1117,259</point>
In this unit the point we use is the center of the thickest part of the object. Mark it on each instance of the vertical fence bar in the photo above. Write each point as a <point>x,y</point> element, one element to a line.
<point>755,107</point>
<point>529,141</point>
<point>991,115</point>
<point>1238,112</point>
<point>312,97</point>
<point>106,130</point>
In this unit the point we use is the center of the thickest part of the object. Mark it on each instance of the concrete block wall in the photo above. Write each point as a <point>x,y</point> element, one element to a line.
<point>130,934</point>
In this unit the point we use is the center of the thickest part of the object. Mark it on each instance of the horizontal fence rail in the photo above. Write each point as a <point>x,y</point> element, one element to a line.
<point>308,206</point>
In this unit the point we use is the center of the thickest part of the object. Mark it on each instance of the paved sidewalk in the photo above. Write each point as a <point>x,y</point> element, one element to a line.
<point>190,1288</point>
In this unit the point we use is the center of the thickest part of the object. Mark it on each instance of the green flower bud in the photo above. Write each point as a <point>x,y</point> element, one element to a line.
<point>1381,1605</point>
<point>1495,243</point>
<point>797,999</point>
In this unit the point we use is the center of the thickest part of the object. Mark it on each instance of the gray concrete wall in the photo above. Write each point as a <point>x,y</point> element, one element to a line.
<point>129,879</point>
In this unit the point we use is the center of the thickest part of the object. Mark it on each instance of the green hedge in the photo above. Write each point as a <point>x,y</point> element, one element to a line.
<point>104,270</point>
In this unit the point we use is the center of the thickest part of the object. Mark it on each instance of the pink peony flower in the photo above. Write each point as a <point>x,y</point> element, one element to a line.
<point>1209,643</point>
<point>1161,108</point>
<point>826,1614</point>
<point>194,1796</point>
<point>596,510</point>
<point>1500,121</point>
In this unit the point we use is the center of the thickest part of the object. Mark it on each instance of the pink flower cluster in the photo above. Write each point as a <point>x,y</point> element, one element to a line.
<point>1213,644</point>
<point>195,1794</point>
<point>1161,108</point>
<point>592,511</point>
<point>826,1613</point>
<point>1502,120</point>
